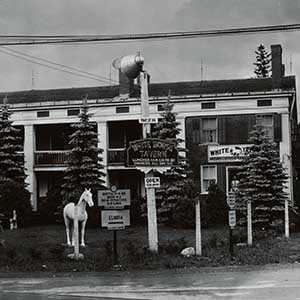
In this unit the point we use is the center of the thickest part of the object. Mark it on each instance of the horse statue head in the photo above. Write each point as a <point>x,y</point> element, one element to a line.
<point>87,196</point>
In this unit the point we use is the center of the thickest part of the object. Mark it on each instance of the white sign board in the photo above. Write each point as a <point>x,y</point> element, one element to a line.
<point>148,120</point>
<point>227,153</point>
<point>114,199</point>
<point>152,182</point>
<point>115,219</point>
<point>232,218</point>
<point>231,199</point>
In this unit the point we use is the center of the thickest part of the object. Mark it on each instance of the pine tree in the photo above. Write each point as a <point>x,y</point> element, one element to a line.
<point>13,192</point>
<point>84,164</point>
<point>262,180</point>
<point>263,59</point>
<point>11,158</point>
<point>175,198</point>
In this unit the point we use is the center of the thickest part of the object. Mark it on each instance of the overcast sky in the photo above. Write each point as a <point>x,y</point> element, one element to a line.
<point>176,60</point>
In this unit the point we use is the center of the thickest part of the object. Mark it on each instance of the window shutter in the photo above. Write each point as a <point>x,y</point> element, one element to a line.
<point>188,130</point>
<point>221,176</point>
<point>221,129</point>
<point>277,128</point>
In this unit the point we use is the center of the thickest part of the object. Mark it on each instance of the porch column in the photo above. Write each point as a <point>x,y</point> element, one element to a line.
<point>181,135</point>
<point>103,144</point>
<point>29,148</point>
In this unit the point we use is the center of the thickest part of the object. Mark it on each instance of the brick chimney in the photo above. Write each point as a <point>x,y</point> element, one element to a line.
<point>126,84</point>
<point>277,66</point>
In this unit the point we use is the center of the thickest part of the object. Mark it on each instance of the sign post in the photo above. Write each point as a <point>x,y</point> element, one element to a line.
<point>249,223</point>
<point>198,228</point>
<point>114,216</point>
<point>231,200</point>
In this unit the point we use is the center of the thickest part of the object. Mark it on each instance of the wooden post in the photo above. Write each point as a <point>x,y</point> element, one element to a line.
<point>150,192</point>
<point>286,218</point>
<point>249,223</point>
<point>152,218</point>
<point>198,229</point>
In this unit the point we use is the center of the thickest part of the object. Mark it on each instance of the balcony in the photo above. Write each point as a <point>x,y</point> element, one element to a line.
<point>116,157</point>
<point>50,158</point>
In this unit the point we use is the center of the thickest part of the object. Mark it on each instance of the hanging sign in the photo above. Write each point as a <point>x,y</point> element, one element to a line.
<point>152,152</point>
<point>152,182</point>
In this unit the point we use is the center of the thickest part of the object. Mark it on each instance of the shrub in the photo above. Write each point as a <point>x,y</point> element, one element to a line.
<point>137,211</point>
<point>15,197</point>
<point>216,207</point>
<point>175,246</point>
<point>50,206</point>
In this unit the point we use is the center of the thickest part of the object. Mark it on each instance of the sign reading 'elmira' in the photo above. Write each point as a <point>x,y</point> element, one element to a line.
<point>225,153</point>
<point>152,152</point>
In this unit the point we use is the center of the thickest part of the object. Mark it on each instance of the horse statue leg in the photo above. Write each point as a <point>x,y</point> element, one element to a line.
<point>67,224</point>
<point>83,223</point>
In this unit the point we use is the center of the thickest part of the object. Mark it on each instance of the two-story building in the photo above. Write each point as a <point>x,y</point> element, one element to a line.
<point>215,117</point>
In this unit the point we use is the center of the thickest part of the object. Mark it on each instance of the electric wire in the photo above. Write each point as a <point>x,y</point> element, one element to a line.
<point>54,68</point>
<point>60,65</point>
<point>65,39</point>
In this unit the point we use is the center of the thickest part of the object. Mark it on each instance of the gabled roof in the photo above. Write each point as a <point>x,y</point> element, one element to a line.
<point>155,90</point>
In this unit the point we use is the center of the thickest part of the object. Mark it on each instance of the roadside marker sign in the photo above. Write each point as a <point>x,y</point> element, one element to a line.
<point>232,218</point>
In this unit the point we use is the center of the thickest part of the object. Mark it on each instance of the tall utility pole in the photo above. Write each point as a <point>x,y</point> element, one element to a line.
<point>131,66</point>
<point>150,192</point>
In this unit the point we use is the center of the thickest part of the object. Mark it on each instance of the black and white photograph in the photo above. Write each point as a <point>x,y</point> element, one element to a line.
<point>150,149</point>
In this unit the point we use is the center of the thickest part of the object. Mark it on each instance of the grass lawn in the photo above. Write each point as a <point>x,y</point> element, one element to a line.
<point>43,249</point>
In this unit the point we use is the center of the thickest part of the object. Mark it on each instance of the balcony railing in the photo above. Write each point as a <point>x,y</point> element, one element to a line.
<point>116,156</point>
<point>59,158</point>
<point>51,158</point>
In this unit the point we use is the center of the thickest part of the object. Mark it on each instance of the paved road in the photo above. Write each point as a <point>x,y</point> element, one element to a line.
<point>272,282</point>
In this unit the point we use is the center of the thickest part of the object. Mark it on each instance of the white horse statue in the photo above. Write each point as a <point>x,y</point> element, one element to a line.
<point>68,213</point>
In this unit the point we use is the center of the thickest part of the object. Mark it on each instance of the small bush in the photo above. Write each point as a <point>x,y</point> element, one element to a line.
<point>217,208</point>
<point>14,196</point>
<point>174,247</point>
<point>57,252</point>
<point>35,253</point>
<point>133,254</point>
<point>175,262</point>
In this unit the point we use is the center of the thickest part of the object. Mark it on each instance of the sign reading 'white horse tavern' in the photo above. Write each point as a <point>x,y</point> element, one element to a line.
<point>227,153</point>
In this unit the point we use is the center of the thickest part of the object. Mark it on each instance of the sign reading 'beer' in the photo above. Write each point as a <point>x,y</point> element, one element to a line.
<point>152,152</point>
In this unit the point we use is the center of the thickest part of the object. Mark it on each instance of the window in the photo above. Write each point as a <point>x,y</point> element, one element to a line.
<point>43,114</point>
<point>122,109</point>
<point>208,177</point>
<point>208,105</point>
<point>160,107</point>
<point>268,123</point>
<point>73,112</point>
<point>209,130</point>
<point>264,102</point>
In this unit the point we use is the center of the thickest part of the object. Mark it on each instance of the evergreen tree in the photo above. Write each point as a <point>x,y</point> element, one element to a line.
<point>262,180</point>
<point>84,164</point>
<point>175,198</point>
<point>262,64</point>
<point>13,192</point>
<point>11,158</point>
